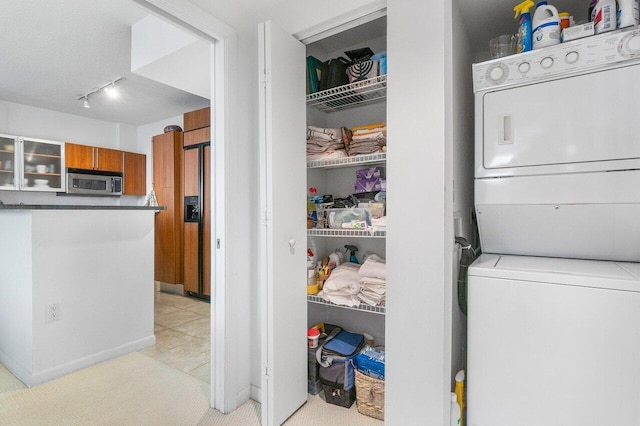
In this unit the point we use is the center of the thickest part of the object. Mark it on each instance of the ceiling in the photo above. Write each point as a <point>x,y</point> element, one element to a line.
<point>55,51</point>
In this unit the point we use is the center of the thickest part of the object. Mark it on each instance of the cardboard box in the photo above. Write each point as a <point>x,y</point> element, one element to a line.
<point>370,173</point>
<point>369,185</point>
<point>577,31</point>
<point>362,71</point>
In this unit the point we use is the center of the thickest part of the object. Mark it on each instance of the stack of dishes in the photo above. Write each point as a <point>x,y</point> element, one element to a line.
<point>40,183</point>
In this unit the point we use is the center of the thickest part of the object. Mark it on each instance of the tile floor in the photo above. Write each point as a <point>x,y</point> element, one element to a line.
<point>183,334</point>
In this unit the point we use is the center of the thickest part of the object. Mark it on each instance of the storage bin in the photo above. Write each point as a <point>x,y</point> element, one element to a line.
<point>370,396</point>
<point>350,218</point>
<point>341,397</point>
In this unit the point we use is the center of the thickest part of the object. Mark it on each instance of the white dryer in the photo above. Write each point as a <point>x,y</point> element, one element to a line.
<point>553,342</point>
<point>557,158</point>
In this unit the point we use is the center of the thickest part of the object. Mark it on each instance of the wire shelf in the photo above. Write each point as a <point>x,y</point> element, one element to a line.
<point>362,307</point>
<point>357,233</point>
<point>350,95</point>
<point>356,160</point>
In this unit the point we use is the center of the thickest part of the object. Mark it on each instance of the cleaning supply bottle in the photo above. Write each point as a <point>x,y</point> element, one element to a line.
<point>628,13</point>
<point>524,26</point>
<point>459,391</point>
<point>546,26</point>
<point>352,253</point>
<point>455,411</point>
<point>604,16</point>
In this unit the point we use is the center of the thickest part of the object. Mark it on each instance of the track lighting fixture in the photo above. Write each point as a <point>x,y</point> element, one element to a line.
<point>109,88</point>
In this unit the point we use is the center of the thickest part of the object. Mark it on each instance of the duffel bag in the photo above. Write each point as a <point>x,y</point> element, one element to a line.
<point>334,73</point>
<point>336,358</point>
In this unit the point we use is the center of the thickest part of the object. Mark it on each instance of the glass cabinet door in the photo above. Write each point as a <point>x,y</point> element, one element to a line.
<point>8,174</point>
<point>42,165</point>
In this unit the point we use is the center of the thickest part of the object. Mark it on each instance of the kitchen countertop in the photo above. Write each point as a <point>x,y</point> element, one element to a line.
<point>74,207</point>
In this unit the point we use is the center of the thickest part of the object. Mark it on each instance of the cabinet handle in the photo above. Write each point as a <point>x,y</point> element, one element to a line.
<point>292,243</point>
<point>97,158</point>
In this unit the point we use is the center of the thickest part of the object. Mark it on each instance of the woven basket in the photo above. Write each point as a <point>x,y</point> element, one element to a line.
<point>370,396</point>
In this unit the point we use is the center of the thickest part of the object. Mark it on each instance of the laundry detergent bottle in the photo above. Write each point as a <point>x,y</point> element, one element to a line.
<point>524,25</point>
<point>546,26</point>
<point>604,16</point>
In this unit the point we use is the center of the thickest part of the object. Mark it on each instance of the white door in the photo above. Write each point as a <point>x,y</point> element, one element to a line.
<point>283,190</point>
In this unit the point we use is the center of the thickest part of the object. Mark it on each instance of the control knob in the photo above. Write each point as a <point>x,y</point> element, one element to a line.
<point>497,73</point>
<point>572,57</point>
<point>524,67</point>
<point>546,62</point>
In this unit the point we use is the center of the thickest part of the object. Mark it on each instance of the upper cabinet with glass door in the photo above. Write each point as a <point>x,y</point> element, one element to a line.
<point>8,170</point>
<point>29,164</point>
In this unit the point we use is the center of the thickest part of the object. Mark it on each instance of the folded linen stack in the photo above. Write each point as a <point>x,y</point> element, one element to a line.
<point>368,139</point>
<point>373,280</point>
<point>351,284</point>
<point>342,286</point>
<point>324,143</point>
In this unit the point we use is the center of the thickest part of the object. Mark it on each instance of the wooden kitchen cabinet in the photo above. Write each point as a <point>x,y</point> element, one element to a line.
<point>134,173</point>
<point>168,186</point>
<point>93,158</point>
<point>197,119</point>
<point>78,156</point>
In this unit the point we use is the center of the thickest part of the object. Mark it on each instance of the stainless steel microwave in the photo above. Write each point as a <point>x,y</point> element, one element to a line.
<point>89,183</point>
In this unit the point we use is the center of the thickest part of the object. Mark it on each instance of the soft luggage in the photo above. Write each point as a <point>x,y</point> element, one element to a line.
<point>337,365</point>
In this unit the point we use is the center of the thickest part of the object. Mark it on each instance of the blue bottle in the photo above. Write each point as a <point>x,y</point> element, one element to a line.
<point>524,26</point>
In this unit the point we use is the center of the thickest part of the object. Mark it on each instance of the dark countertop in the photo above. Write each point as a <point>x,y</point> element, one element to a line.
<point>74,207</point>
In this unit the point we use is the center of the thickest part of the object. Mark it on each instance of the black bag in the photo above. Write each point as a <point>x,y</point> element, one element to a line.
<point>334,73</point>
<point>336,357</point>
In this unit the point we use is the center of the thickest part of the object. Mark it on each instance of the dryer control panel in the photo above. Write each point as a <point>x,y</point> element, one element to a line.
<point>572,58</point>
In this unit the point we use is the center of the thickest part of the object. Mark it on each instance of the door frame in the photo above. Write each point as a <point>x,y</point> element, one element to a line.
<point>223,118</point>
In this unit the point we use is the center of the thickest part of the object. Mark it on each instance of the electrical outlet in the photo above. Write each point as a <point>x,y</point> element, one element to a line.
<point>53,312</point>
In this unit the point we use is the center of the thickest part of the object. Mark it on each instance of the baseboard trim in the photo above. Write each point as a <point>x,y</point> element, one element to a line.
<point>15,368</point>
<point>78,364</point>
<point>256,393</point>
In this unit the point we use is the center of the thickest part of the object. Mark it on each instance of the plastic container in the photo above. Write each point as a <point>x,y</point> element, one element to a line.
<point>313,335</point>
<point>546,26</point>
<point>604,16</point>
<point>455,410</point>
<point>523,43</point>
<point>349,218</point>
<point>565,20</point>
<point>628,13</point>
<point>502,46</point>
<point>459,391</point>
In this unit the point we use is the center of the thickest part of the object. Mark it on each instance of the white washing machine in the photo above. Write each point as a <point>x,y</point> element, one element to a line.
<point>553,342</point>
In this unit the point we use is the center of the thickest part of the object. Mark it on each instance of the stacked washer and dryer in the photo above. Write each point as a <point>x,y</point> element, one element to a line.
<point>554,301</point>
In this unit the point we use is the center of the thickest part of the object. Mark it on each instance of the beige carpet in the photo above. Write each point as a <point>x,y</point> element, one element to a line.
<point>316,412</point>
<point>9,384</point>
<point>131,390</point>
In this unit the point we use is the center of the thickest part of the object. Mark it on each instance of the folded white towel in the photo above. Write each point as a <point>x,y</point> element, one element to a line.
<point>373,267</point>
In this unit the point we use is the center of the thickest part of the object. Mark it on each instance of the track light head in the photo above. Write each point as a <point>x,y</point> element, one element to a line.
<point>86,102</point>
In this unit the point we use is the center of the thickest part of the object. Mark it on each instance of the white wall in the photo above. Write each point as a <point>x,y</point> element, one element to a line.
<point>97,265</point>
<point>25,120</point>
<point>463,151</point>
<point>16,337</point>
